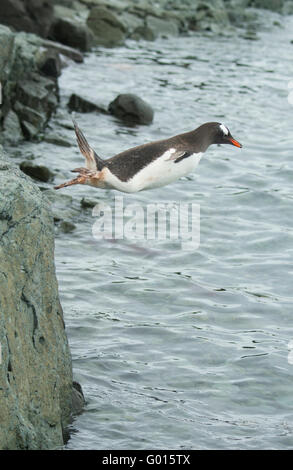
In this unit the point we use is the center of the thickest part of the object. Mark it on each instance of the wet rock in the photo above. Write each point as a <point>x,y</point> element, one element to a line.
<point>131,108</point>
<point>161,27</point>
<point>274,5</point>
<point>57,139</point>
<point>78,400</point>
<point>67,51</point>
<point>81,105</point>
<point>208,14</point>
<point>250,35</point>
<point>38,172</point>
<point>67,227</point>
<point>26,92</point>
<point>131,22</point>
<point>62,205</point>
<point>108,30</point>
<point>72,33</point>
<point>12,131</point>
<point>36,370</point>
<point>48,62</point>
<point>143,32</point>
<point>37,98</point>
<point>87,203</point>
<point>34,16</point>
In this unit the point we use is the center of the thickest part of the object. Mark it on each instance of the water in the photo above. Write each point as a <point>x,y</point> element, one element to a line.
<point>175,348</point>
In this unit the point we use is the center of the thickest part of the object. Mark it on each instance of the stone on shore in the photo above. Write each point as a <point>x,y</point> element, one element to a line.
<point>38,172</point>
<point>108,30</point>
<point>32,16</point>
<point>36,371</point>
<point>82,105</point>
<point>131,109</point>
<point>72,32</point>
<point>29,85</point>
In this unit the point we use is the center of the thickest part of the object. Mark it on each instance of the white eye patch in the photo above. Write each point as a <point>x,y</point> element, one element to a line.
<point>224,129</point>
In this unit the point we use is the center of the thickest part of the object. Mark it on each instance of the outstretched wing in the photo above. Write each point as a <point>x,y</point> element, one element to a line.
<point>93,161</point>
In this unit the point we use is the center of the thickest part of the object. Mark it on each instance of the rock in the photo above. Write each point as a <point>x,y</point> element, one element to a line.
<point>32,96</point>
<point>288,8</point>
<point>161,27</point>
<point>36,371</point>
<point>207,14</point>
<point>38,172</point>
<point>250,35</point>
<point>78,400</point>
<point>131,22</point>
<point>12,132</point>
<point>33,16</point>
<point>67,51</point>
<point>62,205</point>
<point>131,108</point>
<point>108,30</point>
<point>57,139</point>
<point>37,99</point>
<point>72,33</point>
<point>81,105</point>
<point>274,5</point>
<point>88,203</point>
<point>67,227</point>
<point>48,62</point>
<point>143,32</point>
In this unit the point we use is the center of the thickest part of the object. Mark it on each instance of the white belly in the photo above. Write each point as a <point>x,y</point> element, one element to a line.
<point>160,172</point>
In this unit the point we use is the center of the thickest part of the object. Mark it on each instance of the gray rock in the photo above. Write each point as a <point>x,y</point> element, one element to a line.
<point>12,132</point>
<point>82,105</point>
<point>161,27</point>
<point>67,51</point>
<point>38,172</point>
<point>57,139</point>
<point>274,5</point>
<point>132,109</point>
<point>207,14</point>
<point>34,16</point>
<point>36,370</point>
<point>48,62</point>
<point>108,30</point>
<point>72,33</point>
<point>143,32</point>
<point>87,203</point>
<point>26,92</point>
<point>67,227</point>
<point>62,205</point>
<point>130,21</point>
<point>78,400</point>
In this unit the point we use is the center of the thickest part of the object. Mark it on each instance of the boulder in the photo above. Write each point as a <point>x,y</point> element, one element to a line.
<point>28,74</point>
<point>48,62</point>
<point>108,30</point>
<point>132,109</point>
<point>33,16</point>
<point>72,33</point>
<point>143,32</point>
<point>274,5</point>
<point>38,172</point>
<point>161,27</point>
<point>82,105</point>
<point>12,131</point>
<point>36,372</point>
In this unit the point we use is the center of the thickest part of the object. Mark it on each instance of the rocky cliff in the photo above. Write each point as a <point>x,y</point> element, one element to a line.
<point>35,368</point>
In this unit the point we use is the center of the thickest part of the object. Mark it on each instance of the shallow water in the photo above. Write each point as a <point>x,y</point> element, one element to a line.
<point>188,348</point>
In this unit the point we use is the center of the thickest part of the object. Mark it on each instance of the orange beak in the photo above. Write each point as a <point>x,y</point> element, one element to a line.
<point>235,142</point>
